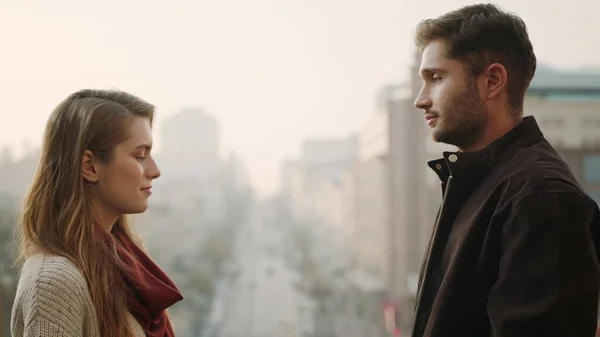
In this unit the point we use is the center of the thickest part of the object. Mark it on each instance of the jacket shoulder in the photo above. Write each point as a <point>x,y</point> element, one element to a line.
<point>539,169</point>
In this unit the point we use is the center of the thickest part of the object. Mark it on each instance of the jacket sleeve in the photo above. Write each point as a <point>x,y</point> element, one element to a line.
<point>548,276</point>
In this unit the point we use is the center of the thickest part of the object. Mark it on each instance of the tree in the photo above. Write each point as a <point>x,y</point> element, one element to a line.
<point>315,281</point>
<point>197,276</point>
<point>7,276</point>
<point>217,249</point>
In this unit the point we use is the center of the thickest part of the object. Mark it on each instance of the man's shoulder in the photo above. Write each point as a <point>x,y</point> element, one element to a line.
<point>538,178</point>
<point>538,169</point>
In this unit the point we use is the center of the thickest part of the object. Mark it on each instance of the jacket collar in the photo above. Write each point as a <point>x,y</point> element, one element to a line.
<point>458,163</point>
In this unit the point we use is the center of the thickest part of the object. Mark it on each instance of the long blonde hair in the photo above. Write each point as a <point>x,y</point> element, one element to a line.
<point>57,215</point>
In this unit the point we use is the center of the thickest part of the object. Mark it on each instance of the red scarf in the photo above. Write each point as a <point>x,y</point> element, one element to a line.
<point>152,291</point>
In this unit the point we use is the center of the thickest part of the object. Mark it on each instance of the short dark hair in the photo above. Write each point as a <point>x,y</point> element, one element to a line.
<point>479,35</point>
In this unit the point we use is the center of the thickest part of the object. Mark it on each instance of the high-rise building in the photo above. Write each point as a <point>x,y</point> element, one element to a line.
<point>370,200</point>
<point>193,172</point>
<point>314,190</point>
<point>190,145</point>
<point>312,185</point>
<point>191,130</point>
<point>388,203</point>
<point>407,170</point>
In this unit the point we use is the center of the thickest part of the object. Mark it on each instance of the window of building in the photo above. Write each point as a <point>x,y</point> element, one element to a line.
<point>591,169</point>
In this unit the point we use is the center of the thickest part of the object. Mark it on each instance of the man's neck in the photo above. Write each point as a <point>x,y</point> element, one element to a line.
<point>495,130</point>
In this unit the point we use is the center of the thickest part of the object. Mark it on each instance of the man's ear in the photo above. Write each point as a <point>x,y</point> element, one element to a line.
<point>89,169</point>
<point>496,80</point>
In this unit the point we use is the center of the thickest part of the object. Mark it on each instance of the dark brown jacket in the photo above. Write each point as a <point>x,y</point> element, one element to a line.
<point>514,251</point>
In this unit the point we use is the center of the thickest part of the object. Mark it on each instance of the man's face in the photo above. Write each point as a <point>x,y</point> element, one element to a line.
<point>450,99</point>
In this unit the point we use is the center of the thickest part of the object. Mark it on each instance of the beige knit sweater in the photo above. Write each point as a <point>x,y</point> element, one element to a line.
<point>53,300</point>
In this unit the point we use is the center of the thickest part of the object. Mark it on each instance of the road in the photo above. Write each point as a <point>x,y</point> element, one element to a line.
<point>262,301</point>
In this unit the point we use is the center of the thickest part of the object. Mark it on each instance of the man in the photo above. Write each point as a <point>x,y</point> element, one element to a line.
<point>514,248</point>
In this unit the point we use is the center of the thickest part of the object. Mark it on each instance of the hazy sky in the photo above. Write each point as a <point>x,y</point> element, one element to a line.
<point>273,72</point>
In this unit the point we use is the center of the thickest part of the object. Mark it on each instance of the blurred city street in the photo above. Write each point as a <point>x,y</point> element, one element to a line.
<point>262,300</point>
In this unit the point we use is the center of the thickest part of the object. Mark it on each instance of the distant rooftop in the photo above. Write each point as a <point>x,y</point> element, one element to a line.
<point>549,81</point>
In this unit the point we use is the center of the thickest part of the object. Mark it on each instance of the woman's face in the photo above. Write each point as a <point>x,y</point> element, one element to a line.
<point>123,184</point>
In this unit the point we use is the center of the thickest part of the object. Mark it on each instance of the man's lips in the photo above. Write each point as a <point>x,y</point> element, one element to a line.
<point>430,118</point>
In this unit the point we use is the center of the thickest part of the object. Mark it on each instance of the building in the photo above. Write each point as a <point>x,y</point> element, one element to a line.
<point>369,202</point>
<point>191,130</point>
<point>190,146</point>
<point>369,217</point>
<point>388,200</point>
<point>192,168</point>
<point>313,186</point>
<point>315,190</point>
<point>16,175</point>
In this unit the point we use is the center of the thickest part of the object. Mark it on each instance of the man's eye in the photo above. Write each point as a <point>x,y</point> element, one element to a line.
<point>140,158</point>
<point>436,78</point>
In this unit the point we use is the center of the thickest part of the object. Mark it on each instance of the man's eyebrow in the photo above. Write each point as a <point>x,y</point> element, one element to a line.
<point>431,70</point>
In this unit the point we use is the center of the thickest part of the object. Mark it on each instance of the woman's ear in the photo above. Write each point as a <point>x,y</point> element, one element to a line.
<point>89,170</point>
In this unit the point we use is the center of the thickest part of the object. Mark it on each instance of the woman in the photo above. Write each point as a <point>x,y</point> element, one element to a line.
<point>83,272</point>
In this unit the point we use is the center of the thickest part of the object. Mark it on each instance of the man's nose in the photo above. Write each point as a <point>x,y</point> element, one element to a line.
<point>422,101</point>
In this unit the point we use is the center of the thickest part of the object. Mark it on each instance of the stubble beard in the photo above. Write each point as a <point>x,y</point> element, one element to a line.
<point>463,121</point>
